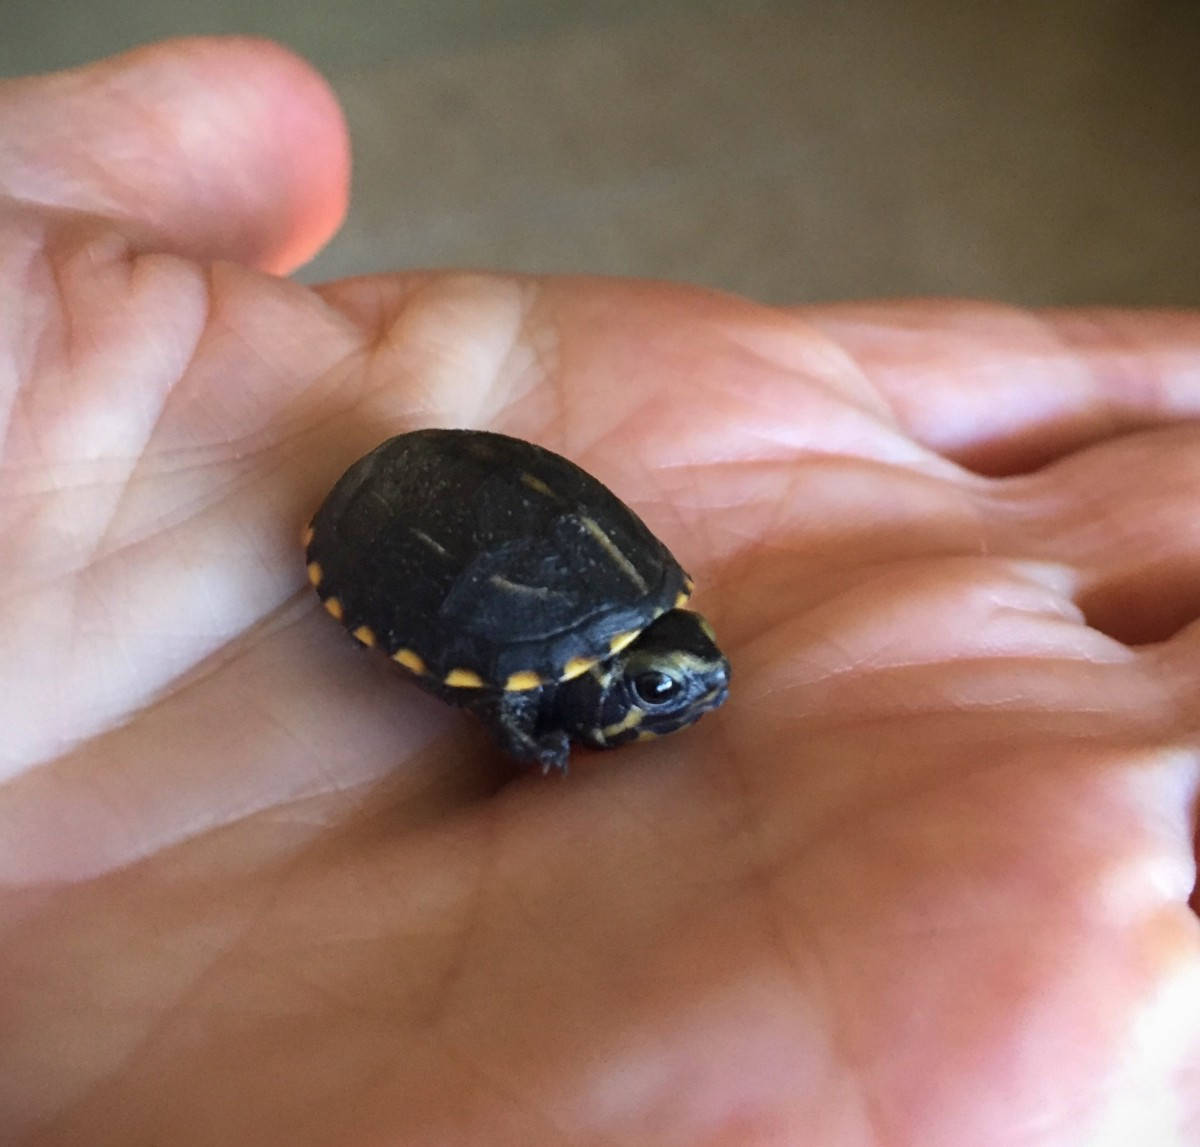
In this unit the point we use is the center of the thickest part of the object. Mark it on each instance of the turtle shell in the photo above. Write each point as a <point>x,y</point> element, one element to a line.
<point>485,561</point>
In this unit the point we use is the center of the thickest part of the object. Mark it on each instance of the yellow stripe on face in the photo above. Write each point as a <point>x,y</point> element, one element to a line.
<point>525,679</point>
<point>463,679</point>
<point>601,674</point>
<point>314,573</point>
<point>365,634</point>
<point>631,720</point>
<point>333,607</point>
<point>307,536</point>
<point>410,660</point>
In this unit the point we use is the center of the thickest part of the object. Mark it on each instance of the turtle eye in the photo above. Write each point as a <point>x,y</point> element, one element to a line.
<point>655,688</point>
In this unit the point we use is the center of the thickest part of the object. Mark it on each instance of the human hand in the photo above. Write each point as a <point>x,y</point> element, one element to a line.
<point>924,880</point>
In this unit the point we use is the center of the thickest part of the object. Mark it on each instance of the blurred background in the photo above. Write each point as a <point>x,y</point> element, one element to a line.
<point>1033,151</point>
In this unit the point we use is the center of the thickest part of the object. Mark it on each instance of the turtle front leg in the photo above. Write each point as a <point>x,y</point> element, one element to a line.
<point>513,720</point>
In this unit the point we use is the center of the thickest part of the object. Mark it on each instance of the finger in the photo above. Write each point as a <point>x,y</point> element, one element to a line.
<point>1122,514</point>
<point>1004,390</point>
<point>213,148</point>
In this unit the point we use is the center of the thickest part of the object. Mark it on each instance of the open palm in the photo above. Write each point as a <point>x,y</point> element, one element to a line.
<point>924,880</point>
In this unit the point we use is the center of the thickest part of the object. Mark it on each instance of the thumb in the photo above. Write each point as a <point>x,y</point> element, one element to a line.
<point>214,148</point>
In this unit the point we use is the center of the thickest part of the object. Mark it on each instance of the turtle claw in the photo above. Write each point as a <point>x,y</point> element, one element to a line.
<point>553,752</point>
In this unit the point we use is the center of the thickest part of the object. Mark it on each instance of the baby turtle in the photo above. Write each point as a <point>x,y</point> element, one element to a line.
<point>505,579</point>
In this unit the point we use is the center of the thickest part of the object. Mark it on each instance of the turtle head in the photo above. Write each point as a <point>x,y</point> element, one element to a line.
<point>670,676</point>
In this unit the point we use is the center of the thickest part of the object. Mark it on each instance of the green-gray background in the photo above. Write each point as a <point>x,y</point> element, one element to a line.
<point>1038,152</point>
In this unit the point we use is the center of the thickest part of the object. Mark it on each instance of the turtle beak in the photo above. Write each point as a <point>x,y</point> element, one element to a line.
<point>718,694</point>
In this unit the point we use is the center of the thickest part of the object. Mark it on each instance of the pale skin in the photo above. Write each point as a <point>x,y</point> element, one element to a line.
<point>924,880</point>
